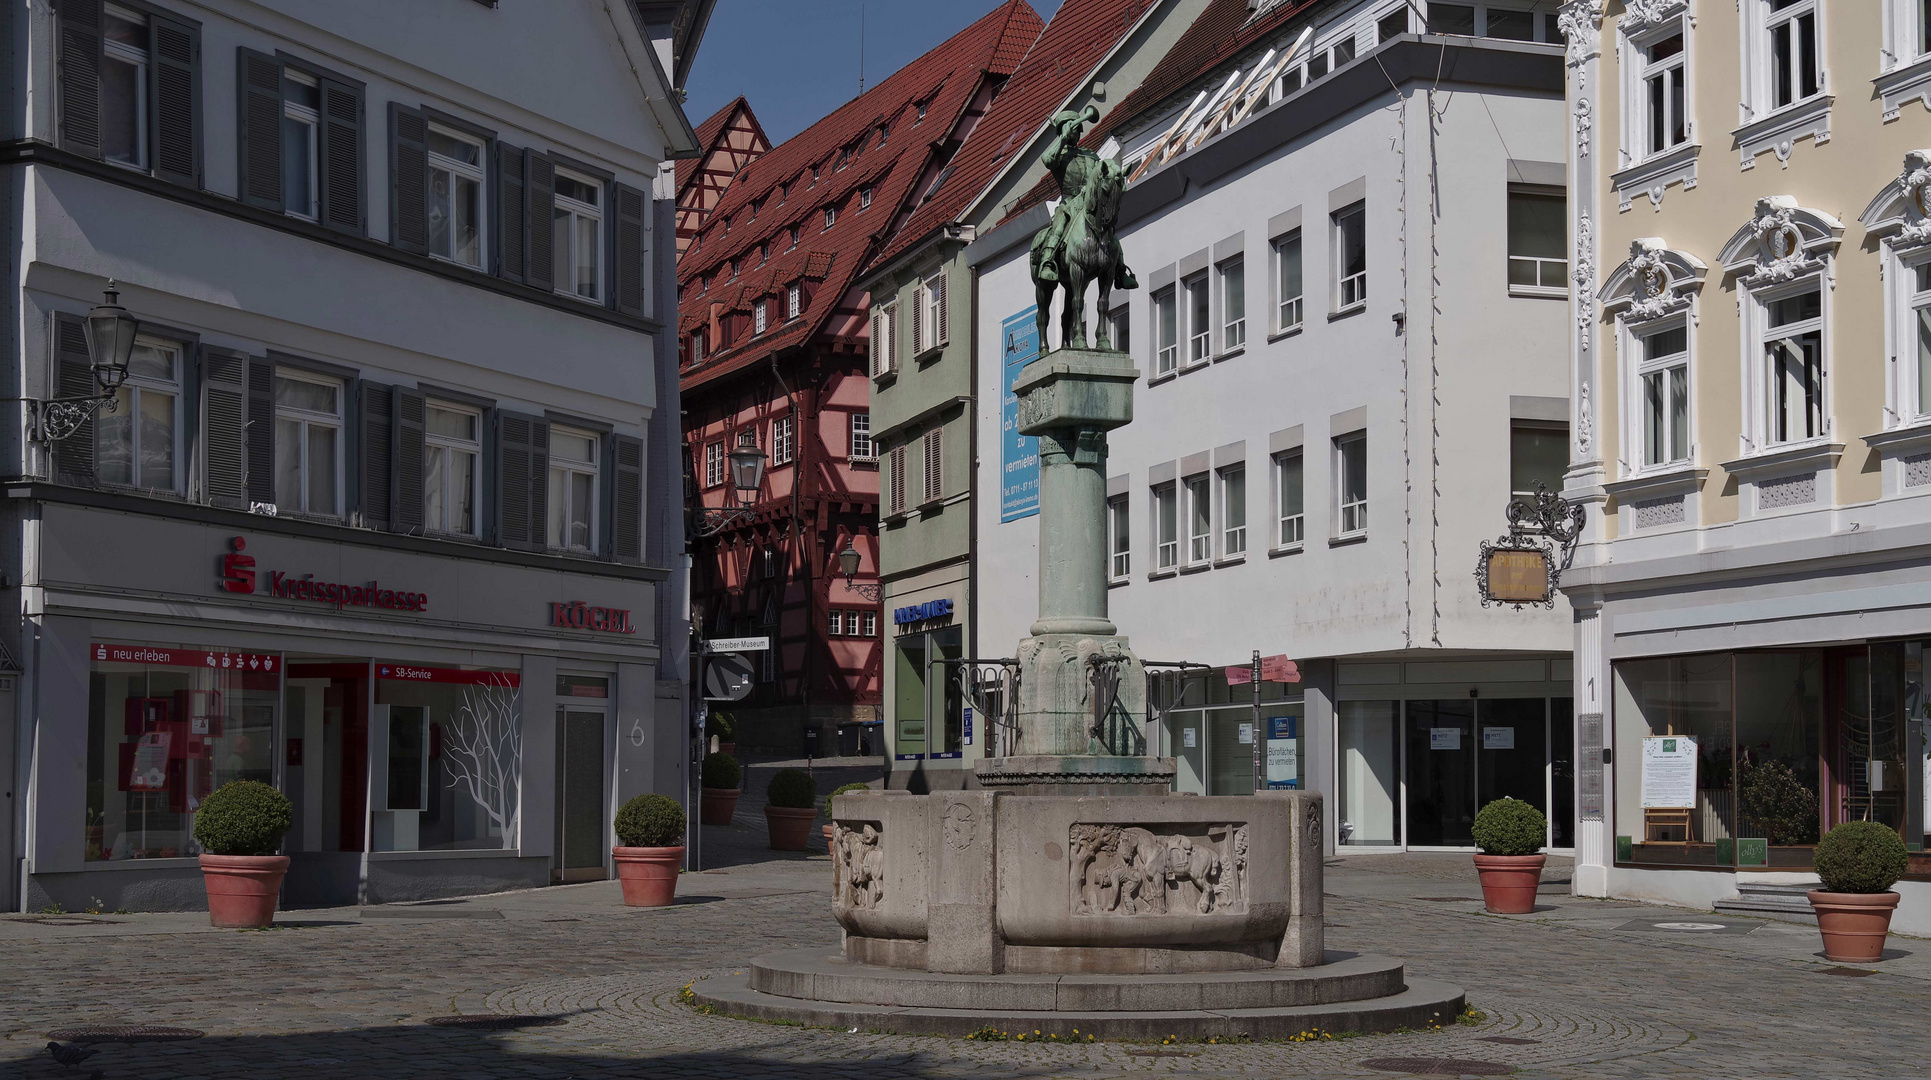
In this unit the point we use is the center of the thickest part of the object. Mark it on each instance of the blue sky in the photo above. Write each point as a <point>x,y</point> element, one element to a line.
<point>796,60</point>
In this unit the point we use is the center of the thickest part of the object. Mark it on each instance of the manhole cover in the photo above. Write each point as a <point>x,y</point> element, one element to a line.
<point>1509,1040</point>
<point>1690,926</point>
<point>125,1033</point>
<point>66,920</point>
<point>495,1021</point>
<point>1439,1066</point>
<point>1855,973</point>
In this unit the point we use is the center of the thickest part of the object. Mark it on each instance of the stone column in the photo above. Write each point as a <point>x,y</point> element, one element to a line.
<point>1072,532</point>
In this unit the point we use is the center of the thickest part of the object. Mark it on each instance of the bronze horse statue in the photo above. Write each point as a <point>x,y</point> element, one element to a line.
<point>1079,245</point>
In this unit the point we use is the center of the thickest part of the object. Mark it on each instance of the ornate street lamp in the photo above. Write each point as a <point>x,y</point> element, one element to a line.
<point>747,476</point>
<point>110,334</point>
<point>848,566</point>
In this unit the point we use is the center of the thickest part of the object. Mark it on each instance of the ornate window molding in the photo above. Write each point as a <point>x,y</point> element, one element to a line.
<point>1654,282</point>
<point>1581,24</point>
<point>1900,217</point>
<point>1782,242</point>
<point>1904,63</point>
<point>1763,124</point>
<point>1653,175</point>
<point>1643,35</point>
<point>1901,213</point>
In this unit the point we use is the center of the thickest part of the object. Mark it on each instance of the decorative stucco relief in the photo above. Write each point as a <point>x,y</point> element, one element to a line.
<point>860,866</point>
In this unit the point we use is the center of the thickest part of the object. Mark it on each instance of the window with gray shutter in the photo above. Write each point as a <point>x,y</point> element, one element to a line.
<point>224,390</point>
<point>378,418</point>
<point>406,511</point>
<point>522,477</point>
<point>540,194</point>
<point>73,377</point>
<point>261,430</point>
<point>512,238</point>
<point>175,100</point>
<point>409,179</point>
<point>78,76</point>
<point>259,125</point>
<point>340,165</point>
<point>628,295</point>
<point>626,502</point>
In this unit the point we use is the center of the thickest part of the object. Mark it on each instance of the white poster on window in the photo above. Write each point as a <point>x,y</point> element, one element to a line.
<point>1246,734</point>
<point>1283,762</point>
<point>1445,738</point>
<point>1669,772</point>
<point>1187,738</point>
<point>1498,738</point>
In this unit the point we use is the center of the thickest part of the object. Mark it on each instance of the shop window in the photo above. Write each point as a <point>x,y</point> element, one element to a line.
<point>1367,779</point>
<point>910,695</point>
<point>457,197</point>
<point>308,443</point>
<point>573,490</point>
<point>446,757</point>
<point>1538,454</point>
<point>166,727</point>
<point>452,480</point>
<point>138,442</point>
<point>577,236</point>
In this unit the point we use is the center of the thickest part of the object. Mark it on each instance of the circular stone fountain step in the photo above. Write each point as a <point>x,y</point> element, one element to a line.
<point>1353,994</point>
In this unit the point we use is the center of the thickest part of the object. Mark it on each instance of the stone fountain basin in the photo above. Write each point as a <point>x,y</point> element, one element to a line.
<point>993,880</point>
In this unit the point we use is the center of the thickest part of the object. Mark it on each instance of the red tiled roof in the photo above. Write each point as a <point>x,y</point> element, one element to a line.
<point>944,81</point>
<point>1079,37</point>
<point>707,133</point>
<point>1219,34</point>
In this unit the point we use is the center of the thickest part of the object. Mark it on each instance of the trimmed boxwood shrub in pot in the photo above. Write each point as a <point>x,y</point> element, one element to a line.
<point>651,821</point>
<point>1858,861</point>
<point>720,775</point>
<point>243,817</point>
<point>1510,833</point>
<point>790,806</point>
<point>241,824</point>
<point>650,849</point>
<point>842,790</point>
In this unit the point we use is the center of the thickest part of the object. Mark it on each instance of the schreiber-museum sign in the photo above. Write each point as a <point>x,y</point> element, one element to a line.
<point>238,575</point>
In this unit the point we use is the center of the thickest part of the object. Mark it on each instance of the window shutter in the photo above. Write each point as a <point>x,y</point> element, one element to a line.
<point>632,205</point>
<point>898,479</point>
<point>260,125</point>
<point>918,318</point>
<point>540,192</point>
<point>175,95</point>
<point>511,230</point>
<point>340,164</point>
<point>406,510</point>
<point>261,430</point>
<point>73,377</point>
<point>934,478</point>
<point>522,476</point>
<point>940,333</point>
<point>878,341</point>
<point>409,179</point>
<point>79,78</point>
<point>626,506</point>
<point>224,389</point>
<point>378,439</point>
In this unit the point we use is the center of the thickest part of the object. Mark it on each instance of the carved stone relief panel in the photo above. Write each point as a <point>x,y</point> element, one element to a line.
<point>858,879</point>
<point>1126,870</point>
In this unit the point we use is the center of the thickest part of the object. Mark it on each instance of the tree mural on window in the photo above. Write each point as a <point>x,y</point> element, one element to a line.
<point>484,747</point>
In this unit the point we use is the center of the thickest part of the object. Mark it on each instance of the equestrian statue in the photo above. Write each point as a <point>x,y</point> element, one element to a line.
<point>1080,245</point>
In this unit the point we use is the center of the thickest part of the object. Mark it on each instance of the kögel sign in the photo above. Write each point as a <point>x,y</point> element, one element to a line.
<point>577,615</point>
<point>238,575</point>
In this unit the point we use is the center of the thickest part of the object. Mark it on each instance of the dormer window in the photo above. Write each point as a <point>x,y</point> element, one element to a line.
<point>784,192</point>
<point>831,216</point>
<point>921,116</point>
<point>814,176</point>
<point>865,198</point>
<point>734,269</point>
<point>764,253</point>
<point>794,236</point>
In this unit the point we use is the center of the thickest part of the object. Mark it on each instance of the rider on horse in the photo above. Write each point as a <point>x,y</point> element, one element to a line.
<point>1073,168</point>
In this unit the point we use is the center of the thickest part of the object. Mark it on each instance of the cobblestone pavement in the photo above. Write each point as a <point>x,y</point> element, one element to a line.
<point>1580,989</point>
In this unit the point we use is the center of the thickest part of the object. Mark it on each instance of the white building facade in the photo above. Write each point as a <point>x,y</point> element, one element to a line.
<point>1350,327</point>
<point>385,512</point>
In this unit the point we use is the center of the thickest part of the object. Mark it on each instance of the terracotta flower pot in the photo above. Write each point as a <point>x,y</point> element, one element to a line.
<point>718,805</point>
<point>828,837</point>
<point>1854,925</point>
<point>1509,882</point>
<point>730,748</point>
<point>790,828</point>
<point>648,874</point>
<point>243,889</point>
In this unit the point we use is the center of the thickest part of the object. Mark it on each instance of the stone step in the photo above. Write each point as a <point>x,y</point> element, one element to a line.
<point>1422,1004</point>
<point>1785,902</point>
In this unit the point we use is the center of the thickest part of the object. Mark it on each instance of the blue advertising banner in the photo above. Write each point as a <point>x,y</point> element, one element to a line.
<point>1018,454</point>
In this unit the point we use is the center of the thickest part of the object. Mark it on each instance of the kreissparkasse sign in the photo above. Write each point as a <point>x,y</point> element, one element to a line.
<point>238,575</point>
